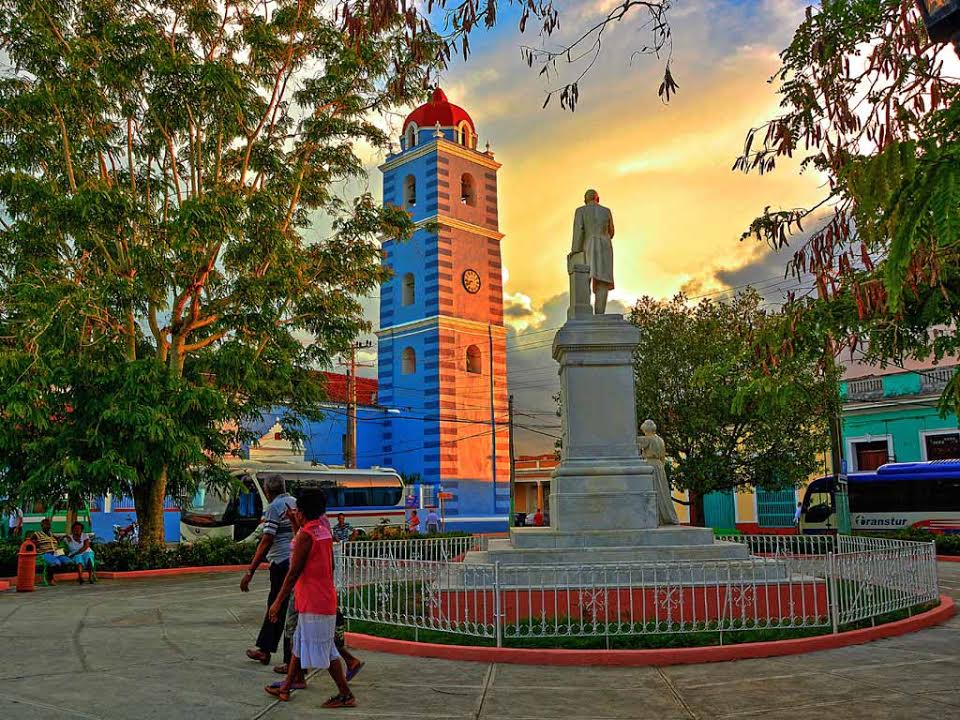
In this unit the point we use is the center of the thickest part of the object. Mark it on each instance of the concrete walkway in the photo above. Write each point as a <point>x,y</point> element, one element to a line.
<point>173,648</point>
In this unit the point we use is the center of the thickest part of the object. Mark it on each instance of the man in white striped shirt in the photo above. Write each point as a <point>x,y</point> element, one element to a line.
<point>274,547</point>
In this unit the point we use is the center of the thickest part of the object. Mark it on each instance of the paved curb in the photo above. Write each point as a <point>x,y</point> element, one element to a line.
<point>948,558</point>
<point>673,656</point>
<point>169,572</point>
<point>140,574</point>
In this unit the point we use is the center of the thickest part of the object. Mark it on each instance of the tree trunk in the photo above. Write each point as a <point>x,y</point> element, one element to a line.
<point>148,501</point>
<point>697,517</point>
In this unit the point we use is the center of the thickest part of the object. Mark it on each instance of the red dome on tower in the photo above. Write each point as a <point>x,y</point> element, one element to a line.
<point>439,110</point>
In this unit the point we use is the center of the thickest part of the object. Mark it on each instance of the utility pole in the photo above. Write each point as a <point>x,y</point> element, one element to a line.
<point>350,440</point>
<point>493,420</point>
<point>513,464</point>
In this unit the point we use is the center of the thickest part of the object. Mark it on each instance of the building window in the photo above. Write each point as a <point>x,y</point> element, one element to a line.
<point>473,360</point>
<point>409,361</point>
<point>411,135</point>
<point>409,289</point>
<point>468,189</point>
<point>464,136</point>
<point>942,446</point>
<point>870,454</point>
<point>410,191</point>
<point>776,508</point>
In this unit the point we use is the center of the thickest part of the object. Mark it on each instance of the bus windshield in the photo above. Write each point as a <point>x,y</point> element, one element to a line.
<point>208,505</point>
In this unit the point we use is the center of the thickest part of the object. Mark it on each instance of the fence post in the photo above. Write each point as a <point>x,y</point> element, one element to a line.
<point>834,597</point>
<point>498,629</point>
<point>933,568</point>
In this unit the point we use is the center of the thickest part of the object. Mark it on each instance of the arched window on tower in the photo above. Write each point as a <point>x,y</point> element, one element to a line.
<point>410,191</point>
<point>408,362</point>
<point>464,134</point>
<point>468,189</point>
<point>409,295</point>
<point>411,135</point>
<point>474,364</point>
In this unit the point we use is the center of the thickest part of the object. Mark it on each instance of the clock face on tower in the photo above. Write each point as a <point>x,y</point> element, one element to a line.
<point>471,281</point>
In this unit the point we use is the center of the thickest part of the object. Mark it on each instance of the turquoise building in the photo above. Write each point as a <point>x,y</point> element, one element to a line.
<point>892,416</point>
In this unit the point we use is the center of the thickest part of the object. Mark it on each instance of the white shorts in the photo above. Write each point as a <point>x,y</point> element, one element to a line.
<point>313,641</point>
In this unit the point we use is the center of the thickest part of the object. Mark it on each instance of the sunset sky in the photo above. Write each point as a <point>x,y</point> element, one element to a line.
<point>663,169</point>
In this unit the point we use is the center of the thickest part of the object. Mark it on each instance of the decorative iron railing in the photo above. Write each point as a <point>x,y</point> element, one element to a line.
<point>786,582</point>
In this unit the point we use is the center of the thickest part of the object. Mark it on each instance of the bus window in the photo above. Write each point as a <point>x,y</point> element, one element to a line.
<point>385,496</point>
<point>356,497</point>
<point>209,506</point>
<point>249,504</point>
<point>818,505</point>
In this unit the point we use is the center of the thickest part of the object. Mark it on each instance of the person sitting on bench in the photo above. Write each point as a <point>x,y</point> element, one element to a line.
<point>47,548</point>
<point>78,548</point>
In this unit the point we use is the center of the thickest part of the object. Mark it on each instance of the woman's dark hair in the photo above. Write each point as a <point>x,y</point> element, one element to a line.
<point>75,523</point>
<point>312,502</point>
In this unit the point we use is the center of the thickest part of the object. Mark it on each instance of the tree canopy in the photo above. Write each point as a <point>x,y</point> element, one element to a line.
<point>871,104</point>
<point>161,167</point>
<point>727,420</point>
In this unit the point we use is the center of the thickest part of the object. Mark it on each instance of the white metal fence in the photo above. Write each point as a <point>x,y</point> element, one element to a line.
<point>441,549</point>
<point>787,582</point>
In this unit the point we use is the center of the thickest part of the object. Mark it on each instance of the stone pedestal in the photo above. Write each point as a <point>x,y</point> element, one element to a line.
<point>603,505</point>
<point>602,482</point>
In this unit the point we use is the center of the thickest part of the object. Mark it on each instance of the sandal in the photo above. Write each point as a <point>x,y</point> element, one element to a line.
<point>353,671</point>
<point>259,655</point>
<point>293,686</point>
<point>340,701</point>
<point>280,669</point>
<point>278,692</point>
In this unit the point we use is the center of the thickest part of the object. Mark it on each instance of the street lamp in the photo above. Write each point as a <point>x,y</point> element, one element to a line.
<point>942,18</point>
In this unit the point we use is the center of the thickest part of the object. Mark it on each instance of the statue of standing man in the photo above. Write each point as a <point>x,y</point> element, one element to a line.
<point>592,235</point>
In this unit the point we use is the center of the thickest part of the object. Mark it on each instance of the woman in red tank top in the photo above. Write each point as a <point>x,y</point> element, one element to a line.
<point>311,572</point>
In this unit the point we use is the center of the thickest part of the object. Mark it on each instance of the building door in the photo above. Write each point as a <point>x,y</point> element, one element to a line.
<point>871,454</point>
<point>719,511</point>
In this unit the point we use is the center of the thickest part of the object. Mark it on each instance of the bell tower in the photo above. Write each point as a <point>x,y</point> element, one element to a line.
<point>442,352</point>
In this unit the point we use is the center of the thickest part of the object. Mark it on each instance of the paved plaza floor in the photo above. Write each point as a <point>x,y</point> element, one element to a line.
<point>173,648</point>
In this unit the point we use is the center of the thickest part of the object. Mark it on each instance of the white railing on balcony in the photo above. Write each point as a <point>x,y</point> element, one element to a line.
<point>787,582</point>
<point>936,379</point>
<point>866,389</point>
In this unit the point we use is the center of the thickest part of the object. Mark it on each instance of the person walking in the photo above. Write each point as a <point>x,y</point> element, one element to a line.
<point>310,578</point>
<point>274,547</point>
<point>433,522</point>
<point>538,518</point>
<point>796,516</point>
<point>15,523</point>
<point>354,664</point>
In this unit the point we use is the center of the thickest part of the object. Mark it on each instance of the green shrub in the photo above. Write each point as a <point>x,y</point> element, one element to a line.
<point>946,544</point>
<point>120,557</point>
<point>203,553</point>
<point>8,558</point>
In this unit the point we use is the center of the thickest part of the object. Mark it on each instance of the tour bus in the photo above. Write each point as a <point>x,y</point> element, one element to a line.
<point>893,497</point>
<point>367,497</point>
